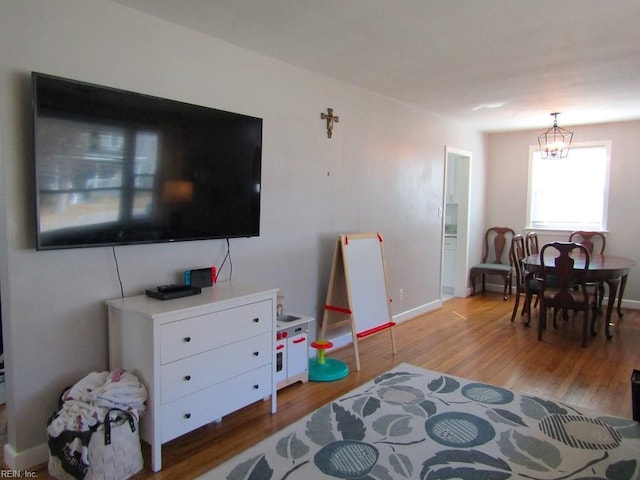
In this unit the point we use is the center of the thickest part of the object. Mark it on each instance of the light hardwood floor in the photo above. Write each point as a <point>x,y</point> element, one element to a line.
<point>471,338</point>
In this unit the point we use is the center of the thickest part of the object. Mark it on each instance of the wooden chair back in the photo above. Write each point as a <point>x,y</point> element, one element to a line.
<point>532,243</point>
<point>594,241</point>
<point>525,282</point>
<point>517,254</point>
<point>497,242</point>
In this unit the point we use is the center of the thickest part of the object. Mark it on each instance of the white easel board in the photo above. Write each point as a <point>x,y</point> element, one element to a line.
<point>358,290</point>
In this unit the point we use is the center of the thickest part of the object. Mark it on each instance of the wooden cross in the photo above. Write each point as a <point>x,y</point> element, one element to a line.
<point>330,118</point>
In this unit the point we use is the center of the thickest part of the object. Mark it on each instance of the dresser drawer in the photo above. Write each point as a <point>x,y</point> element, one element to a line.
<point>185,414</point>
<point>189,375</point>
<point>184,338</point>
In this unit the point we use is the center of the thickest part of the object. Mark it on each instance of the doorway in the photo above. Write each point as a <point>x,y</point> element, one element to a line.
<point>455,224</point>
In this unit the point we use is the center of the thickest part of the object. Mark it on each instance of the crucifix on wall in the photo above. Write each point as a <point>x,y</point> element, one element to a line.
<point>331,119</point>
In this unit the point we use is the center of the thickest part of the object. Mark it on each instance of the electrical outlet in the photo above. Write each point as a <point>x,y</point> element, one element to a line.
<point>400,294</point>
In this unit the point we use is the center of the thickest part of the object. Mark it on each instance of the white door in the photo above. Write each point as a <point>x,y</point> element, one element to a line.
<point>455,221</point>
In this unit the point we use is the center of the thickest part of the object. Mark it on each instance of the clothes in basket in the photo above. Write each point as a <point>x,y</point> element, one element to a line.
<point>94,434</point>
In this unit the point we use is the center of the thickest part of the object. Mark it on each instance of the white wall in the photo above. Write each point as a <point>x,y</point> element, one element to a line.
<point>508,155</point>
<point>381,171</point>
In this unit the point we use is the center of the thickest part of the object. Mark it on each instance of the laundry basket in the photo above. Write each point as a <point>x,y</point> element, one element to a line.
<point>94,433</point>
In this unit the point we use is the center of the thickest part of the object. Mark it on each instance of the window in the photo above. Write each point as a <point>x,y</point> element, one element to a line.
<point>569,193</point>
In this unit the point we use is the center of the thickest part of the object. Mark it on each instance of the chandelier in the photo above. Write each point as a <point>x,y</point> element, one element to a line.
<point>556,141</point>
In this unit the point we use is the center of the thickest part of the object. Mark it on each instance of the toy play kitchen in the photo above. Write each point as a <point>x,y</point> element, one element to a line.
<point>292,349</point>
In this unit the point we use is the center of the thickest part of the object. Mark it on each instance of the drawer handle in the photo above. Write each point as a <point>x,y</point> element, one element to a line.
<point>256,320</point>
<point>187,378</point>
<point>256,387</point>
<point>300,340</point>
<point>187,339</point>
<point>255,354</point>
<point>187,416</point>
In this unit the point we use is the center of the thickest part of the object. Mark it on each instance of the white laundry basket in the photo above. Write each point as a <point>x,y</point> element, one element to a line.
<point>90,441</point>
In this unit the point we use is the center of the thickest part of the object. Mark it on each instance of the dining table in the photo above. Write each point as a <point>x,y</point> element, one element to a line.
<point>610,269</point>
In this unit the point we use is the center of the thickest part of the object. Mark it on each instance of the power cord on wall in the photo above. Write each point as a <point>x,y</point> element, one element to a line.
<point>115,258</point>
<point>228,255</point>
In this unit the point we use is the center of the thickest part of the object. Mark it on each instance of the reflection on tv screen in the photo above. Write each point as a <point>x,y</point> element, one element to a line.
<point>83,185</point>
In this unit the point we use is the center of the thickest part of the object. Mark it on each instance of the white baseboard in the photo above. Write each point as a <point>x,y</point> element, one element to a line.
<point>343,339</point>
<point>630,304</point>
<point>416,312</point>
<point>32,457</point>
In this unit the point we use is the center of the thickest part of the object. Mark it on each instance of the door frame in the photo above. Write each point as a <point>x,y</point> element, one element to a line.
<point>463,175</point>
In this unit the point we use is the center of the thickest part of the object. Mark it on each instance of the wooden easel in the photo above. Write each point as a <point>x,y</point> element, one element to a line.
<point>358,291</point>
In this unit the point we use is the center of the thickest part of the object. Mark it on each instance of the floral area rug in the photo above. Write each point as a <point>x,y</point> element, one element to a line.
<point>411,423</point>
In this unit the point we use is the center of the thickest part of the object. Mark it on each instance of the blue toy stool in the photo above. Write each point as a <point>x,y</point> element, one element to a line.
<point>322,369</point>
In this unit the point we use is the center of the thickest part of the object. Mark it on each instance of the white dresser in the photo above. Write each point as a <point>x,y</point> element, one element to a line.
<point>200,357</point>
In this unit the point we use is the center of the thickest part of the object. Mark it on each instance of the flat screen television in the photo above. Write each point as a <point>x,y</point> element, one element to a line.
<point>114,167</point>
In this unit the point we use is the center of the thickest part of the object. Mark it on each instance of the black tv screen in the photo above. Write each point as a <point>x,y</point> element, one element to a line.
<point>115,167</point>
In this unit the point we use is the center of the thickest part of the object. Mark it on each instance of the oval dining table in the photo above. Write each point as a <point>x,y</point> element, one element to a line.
<point>610,269</point>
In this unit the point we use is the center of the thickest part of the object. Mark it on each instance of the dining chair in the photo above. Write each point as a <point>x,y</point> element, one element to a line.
<point>595,242</point>
<point>531,242</point>
<point>495,258</point>
<point>526,283</point>
<point>571,292</point>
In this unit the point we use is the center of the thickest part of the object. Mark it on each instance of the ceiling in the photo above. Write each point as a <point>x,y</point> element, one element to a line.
<point>496,65</point>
